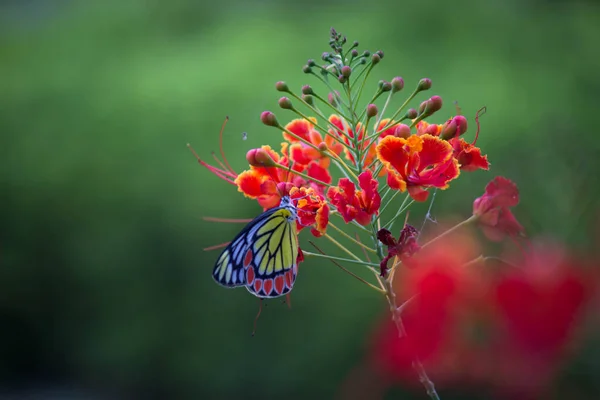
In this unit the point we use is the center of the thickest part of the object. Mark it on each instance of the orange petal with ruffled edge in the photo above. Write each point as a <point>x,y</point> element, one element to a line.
<point>395,180</point>
<point>391,152</point>
<point>433,151</point>
<point>300,127</point>
<point>316,171</point>
<point>321,221</point>
<point>249,183</point>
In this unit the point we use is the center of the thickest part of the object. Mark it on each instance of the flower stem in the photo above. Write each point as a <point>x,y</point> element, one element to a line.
<point>367,248</point>
<point>416,363</point>
<point>456,227</point>
<point>344,269</point>
<point>348,260</point>
<point>303,175</point>
<point>344,249</point>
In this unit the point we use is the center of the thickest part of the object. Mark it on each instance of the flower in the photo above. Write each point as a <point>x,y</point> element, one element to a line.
<point>356,205</point>
<point>302,154</point>
<point>266,184</point>
<point>507,329</point>
<point>312,210</point>
<point>492,209</point>
<point>468,155</point>
<point>417,163</point>
<point>404,247</point>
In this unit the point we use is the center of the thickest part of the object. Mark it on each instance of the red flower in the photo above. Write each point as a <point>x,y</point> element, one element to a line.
<point>356,205</point>
<point>492,209</point>
<point>306,157</point>
<point>264,182</point>
<point>417,163</point>
<point>469,157</point>
<point>506,329</point>
<point>404,247</point>
<point>312,209</point>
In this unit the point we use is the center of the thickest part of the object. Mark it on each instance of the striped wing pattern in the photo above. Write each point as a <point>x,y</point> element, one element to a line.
<point>263,256</point>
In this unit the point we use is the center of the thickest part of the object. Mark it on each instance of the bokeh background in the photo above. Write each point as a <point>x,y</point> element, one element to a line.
<point>105,291</point>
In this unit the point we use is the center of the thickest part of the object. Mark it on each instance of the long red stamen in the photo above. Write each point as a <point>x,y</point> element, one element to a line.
<point>217,246</point>
<point>257,315</point>
<point>480,112</point>
<point>223,174</point>
<point>221,145</point>
<point>219,161</point>
<point>228,220</point>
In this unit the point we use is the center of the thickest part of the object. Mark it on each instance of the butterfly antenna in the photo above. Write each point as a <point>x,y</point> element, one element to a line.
<point>257,315</point>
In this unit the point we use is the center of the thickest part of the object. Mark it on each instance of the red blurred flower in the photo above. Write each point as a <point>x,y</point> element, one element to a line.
<point>492,209</point>
<point>506,329</point>
<point>356,205</point>
<point>417,163</point>
<point>312,210</point>
<point>469,157</point>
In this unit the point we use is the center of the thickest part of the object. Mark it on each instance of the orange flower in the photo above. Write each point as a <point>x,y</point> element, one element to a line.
<point>266,184</point>
<point>356,205</point>
<point>312,209</point>
<point>417,163</point>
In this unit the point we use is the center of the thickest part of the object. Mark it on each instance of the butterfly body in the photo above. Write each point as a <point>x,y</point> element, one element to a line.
<point>263,256</point>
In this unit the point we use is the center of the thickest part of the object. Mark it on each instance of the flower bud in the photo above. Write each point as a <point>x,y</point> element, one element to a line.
<point>454,127</point>
<point>346,71</point>
<point>424,84</point>
<point>282,86</point>
<point>379,53</point>
<point>323,147</point>
<point>325,56</point>
<point>402,131</point>
<point>397,84</point>
<point>411,113</point>
<point>342,79</point>
<point>355,44</point>
<point>354,53</point>
<point>375,59</point>
<point>385,86</point>
<point>366,53</point>
<point>306,89</point>
<point>268,118</point>
<point>308,99</point>
<point>259,158</point>
<point>306,69</point>
<point>372,110</point>
<point>311,63</point>
<point>332,100</point>
<point>430,106</point>
<point>285,103</point>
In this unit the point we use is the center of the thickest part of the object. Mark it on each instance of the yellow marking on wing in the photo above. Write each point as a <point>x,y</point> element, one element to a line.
<point>223,263</point>
<point>264,260</point>
<point>259,242</point>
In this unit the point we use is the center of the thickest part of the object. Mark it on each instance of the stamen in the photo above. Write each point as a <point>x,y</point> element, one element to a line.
<point>228,220</point>
<point>480,112</point>
<point>217,246</point>
<point>257,315</point>
<point>221,145</point>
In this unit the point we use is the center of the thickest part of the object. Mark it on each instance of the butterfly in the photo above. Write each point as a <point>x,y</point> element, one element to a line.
<point>263,257</point>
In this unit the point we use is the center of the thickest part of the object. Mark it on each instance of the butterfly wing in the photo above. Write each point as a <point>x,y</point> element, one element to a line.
<point>272,259</point>
<point>231,267</point>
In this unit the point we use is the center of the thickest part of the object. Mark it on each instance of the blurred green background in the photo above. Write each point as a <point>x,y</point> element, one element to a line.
<point>104,287</point>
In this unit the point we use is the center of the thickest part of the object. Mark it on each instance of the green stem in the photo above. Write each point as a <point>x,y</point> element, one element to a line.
<point>310,254</point>
<point>468,221</point>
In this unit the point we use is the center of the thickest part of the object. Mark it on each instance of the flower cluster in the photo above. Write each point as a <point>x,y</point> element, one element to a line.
<point>340,157</point>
